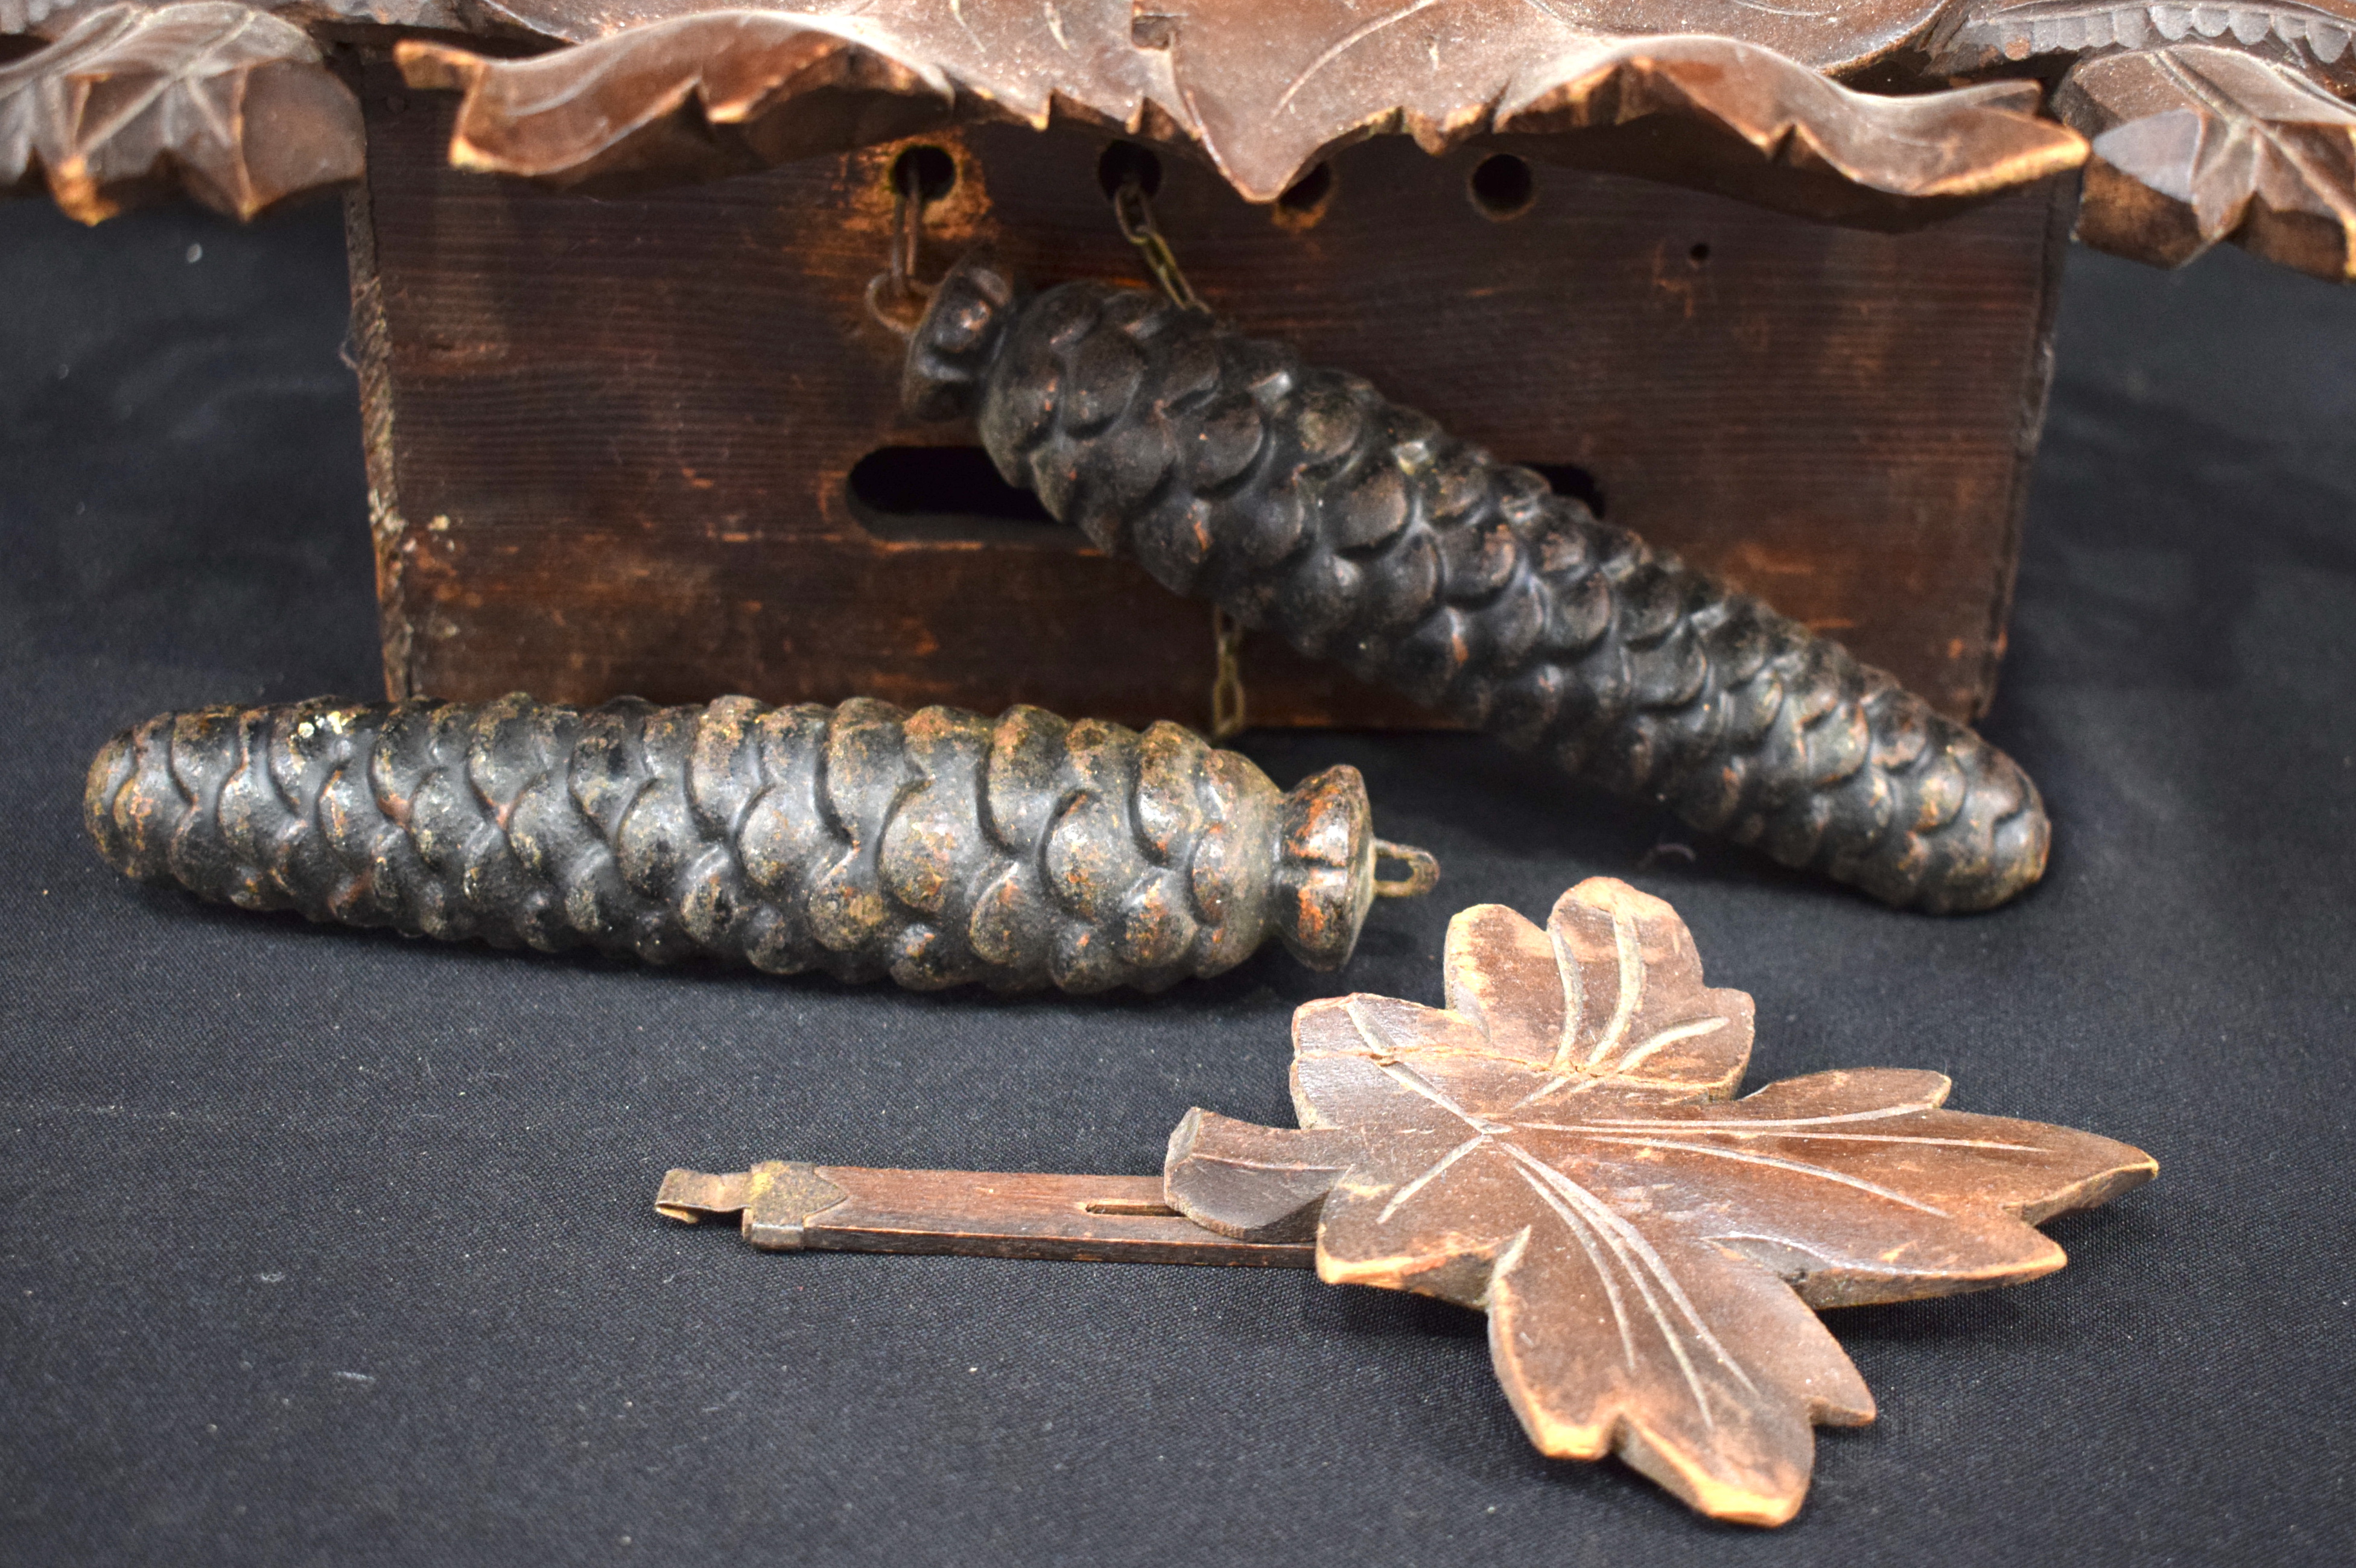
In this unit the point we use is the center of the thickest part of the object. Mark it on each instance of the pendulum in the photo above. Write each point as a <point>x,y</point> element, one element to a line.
<point>1560,1147</point>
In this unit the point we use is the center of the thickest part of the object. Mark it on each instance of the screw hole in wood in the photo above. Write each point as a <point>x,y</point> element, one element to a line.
<point>1306,200</point>
<point>1122,160</point>
<point>1570,480</point>
<point>1502,187</point>
<point>928,171</point>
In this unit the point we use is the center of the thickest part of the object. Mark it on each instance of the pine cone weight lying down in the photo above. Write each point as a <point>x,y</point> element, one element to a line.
<point>936,847</point>
<point>1302,502</point>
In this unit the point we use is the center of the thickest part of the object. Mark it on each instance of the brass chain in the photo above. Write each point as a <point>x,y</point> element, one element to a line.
<point>1132,209</point>
<point>1229,714</point>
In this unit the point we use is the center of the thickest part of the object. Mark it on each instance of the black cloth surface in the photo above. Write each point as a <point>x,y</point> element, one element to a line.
<point>322,1246</point>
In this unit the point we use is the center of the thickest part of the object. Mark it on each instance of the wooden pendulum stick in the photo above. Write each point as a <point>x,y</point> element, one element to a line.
<point>788,1206</point>
<point>1560,1147</point>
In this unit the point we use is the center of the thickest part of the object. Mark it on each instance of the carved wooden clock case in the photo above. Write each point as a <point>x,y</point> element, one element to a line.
<point>1770,285</point>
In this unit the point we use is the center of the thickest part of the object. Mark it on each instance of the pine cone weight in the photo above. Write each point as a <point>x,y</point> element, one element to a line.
<point>936,847</point>
<point>1302,502</point>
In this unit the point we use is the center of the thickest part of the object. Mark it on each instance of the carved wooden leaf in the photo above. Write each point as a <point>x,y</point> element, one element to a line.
<point>2195,143</point>
<point>1559,1146</point>
<point>1967,141</point>
<point>1266,90</point>
<point>1973,36</point>
<point>623,104</point>
<point>232,103</point>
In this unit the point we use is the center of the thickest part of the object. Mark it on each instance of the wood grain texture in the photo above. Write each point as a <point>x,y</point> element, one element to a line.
<point>1559,1146</point>
<point>609,440</point>
<point>2208,122</point>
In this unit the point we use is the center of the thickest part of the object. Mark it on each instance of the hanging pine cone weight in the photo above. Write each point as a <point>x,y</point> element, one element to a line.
<point>1302,502</point>
<point>936,847</point>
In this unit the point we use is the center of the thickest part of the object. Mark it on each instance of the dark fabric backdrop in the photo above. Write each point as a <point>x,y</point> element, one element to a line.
<point>327,1247</point>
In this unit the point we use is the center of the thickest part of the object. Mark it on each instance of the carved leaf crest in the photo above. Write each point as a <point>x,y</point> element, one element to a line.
<point>1265,90</point>
<point>1973,36</point>
<point>233,103</point>
<point>1559,1146</point>
<point>2195,143</point>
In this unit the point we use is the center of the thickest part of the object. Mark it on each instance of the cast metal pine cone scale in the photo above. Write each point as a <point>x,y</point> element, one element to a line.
<point>1301,501</point>
<point>935,848</point>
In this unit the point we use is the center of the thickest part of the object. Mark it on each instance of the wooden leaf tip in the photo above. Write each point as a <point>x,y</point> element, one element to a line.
<point>432,66</point>
<point>2195,142</point>
<point>1557,1146</point>
<point>232,105</point>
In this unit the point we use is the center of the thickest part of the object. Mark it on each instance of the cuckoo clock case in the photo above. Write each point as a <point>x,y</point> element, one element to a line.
<point>1744,317</point>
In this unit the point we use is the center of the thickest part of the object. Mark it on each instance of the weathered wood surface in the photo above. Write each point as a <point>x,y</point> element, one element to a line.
<point>609,440</point>
<point>1560,1147</point>
<point>791,1206</point>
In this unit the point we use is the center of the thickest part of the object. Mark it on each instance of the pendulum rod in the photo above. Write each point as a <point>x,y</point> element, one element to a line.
<point>786,1206</point>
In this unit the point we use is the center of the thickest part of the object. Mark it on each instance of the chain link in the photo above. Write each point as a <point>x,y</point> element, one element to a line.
<point>1229,714</point>
<point>1134,211</point>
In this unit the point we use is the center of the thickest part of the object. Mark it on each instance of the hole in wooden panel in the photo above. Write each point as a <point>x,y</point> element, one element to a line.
<point>1700,253</point>
<point>948,495</point>
<point>1124,158</point>
<point>1572,481</point>
<point>1502,187</point>
<point>930,172</point>
<point>1304,201</point>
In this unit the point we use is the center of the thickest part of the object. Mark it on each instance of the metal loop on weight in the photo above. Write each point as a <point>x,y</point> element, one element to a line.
<point>1422,870</point>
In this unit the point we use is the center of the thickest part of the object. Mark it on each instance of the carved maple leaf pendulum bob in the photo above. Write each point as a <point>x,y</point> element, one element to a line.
<point>1559,1147</point>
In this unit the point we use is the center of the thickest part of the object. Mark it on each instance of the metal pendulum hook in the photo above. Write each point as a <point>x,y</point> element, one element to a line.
<point>894,296</point>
